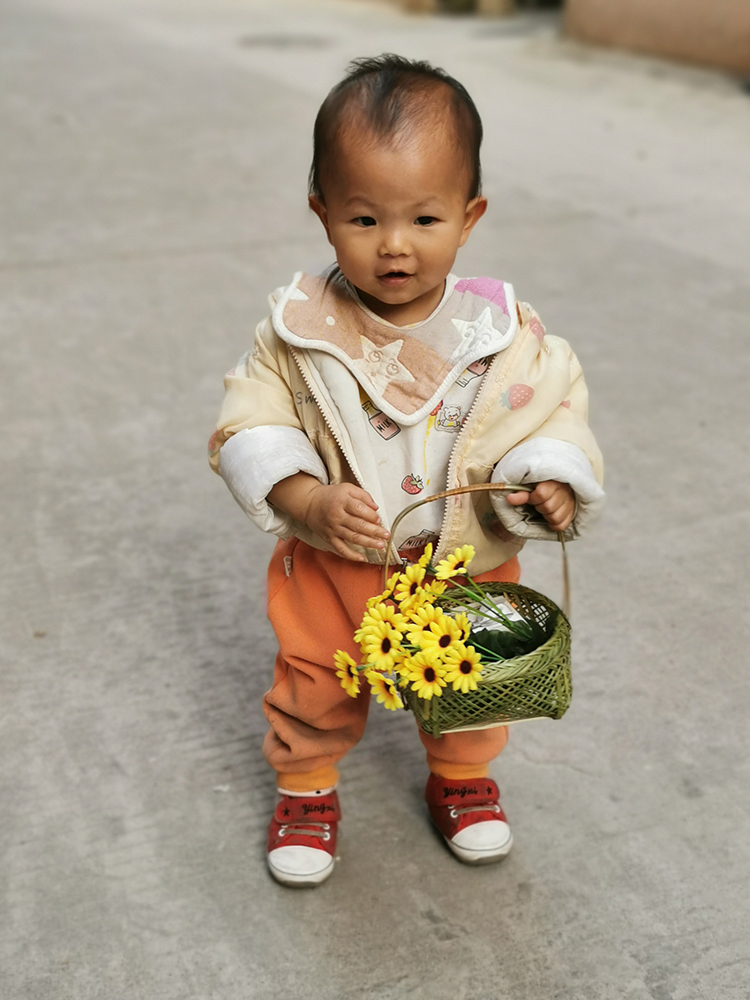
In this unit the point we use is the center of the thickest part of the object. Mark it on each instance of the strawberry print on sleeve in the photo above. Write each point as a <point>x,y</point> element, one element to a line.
<point>517,396</point>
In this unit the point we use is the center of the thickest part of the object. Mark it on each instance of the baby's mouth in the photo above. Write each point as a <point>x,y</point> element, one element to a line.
<point>394,276</point>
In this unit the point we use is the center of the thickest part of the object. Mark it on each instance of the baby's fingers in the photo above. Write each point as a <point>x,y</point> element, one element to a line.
<point>360,531</point>
<point>342,549</point>
<point>363,497</point>
<point>363,513</point>
<point>361,517</point>
<point>516,499</point>
<point>555,502</point>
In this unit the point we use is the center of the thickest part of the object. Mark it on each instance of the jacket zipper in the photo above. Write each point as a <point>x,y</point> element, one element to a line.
<point>483,390</point>
<point>326,417</point>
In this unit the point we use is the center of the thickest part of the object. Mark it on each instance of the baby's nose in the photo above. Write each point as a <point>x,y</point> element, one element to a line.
<point>395,242</point>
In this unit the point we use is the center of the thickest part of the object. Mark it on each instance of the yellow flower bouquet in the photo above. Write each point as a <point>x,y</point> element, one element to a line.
<point>461,655</point>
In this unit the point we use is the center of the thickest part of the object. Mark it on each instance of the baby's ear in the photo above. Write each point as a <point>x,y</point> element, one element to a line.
<point>475,209</point>
<point>322,213</point>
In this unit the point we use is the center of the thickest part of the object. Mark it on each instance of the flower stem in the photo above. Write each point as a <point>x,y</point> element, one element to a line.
<point>490,653</point>
<point>521,628</point>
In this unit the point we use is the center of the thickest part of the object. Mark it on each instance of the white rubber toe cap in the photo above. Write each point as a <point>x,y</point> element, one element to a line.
<point>482,843</point>
<point>298,865</point>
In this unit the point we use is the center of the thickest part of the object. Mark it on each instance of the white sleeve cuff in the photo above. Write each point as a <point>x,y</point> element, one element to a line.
<point>535,461</point>
<point>252,461</point>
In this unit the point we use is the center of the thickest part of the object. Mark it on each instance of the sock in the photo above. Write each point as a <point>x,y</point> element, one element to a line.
<point>308,782</point>
<point>456,772</point>
<point>300,795</point>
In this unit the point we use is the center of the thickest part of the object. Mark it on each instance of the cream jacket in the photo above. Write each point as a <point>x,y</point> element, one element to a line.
<point>293,404</point>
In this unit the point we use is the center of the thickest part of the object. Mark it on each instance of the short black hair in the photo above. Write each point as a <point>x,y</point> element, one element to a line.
<point>388,92</point>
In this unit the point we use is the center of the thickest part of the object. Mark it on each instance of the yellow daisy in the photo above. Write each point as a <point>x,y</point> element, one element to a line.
<point>420,620</point>
<point>463,623</point>
<point>409,583</point>
<point>381,647</point>
<point>426,675</point>
<point>434,588</point>
<point>390,586</point>
<point>455,564</point>
<point>384,690</point>
<point>424,559</point>
<point>411,604</point>
<point>347,672</point>
<point>463,667</point>
<point>380,614</point>
<point>406,665</point>
<point>442,633</point>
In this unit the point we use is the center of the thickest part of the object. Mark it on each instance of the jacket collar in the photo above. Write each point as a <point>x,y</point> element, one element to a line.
<point>404,370</point>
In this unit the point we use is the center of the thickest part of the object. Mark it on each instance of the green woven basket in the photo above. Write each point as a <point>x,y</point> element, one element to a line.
<point>532,686</point>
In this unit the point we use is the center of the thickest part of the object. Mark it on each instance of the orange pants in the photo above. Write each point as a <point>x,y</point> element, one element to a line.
<point>315,602</point>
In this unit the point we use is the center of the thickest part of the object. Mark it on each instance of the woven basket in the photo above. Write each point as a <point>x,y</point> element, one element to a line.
<point>532,686</point>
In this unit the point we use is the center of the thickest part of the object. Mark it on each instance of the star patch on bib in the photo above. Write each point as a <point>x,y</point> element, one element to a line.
<point>380,364</point>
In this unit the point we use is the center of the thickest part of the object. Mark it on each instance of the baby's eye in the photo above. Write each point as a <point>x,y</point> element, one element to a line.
<point>365,220</point>
<point>425,220</point>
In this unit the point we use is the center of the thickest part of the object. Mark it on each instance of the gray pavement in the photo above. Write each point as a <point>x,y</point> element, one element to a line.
<point>152,191</point>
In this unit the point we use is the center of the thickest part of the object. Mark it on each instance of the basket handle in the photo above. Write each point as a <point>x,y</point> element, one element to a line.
<point>478,488</point>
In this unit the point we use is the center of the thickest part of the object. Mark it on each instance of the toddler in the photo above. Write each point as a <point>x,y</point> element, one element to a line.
<point>385,379</point>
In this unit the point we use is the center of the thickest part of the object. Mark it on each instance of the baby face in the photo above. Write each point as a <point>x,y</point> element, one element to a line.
<point>396,214</point>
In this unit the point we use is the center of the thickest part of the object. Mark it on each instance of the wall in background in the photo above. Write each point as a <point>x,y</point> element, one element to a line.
<point>712,32</point>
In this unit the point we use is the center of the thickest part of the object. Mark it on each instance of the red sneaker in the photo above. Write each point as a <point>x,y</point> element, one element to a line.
<point>468,814</point>
<point>302,838</point>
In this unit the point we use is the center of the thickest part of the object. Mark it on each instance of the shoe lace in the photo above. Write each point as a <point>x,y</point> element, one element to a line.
<point>306,828</point>
<point>457,811</point>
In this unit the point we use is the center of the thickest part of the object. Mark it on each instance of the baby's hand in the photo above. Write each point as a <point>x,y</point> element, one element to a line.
<point>345,515</point>
<point>555,501</point>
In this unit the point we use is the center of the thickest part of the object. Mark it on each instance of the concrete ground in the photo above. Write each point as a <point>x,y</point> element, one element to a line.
<point>153,160</point>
